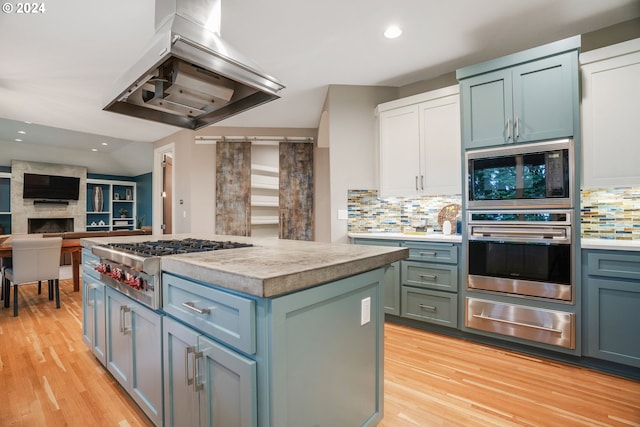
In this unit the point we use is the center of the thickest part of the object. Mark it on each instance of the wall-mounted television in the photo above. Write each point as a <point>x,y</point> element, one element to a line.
<point>50,187</point>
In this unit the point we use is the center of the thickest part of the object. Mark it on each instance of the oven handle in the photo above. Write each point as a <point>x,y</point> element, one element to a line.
<point>511,322</point>
<point>494,232</point>
<point>192,306</point>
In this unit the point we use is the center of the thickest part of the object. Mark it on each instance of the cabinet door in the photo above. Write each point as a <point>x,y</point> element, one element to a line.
<point>391,289</point>
<point>440,146</point>
<point>229,386</point>
<point>118,337</point>
<point>613,315</point>
<point>399,151</point>
<point>88,310</point>
<point>543,95</point>
<point>610,111</point>
<point>486,109</point>
<point>146,360</point>
<point>180,396</point>
<point>99,347</point>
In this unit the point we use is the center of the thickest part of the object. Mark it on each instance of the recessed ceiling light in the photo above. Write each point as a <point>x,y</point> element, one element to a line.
<point>17,140</point>
<point>21,132</point>
<point>105,143</point>
<point>94,149</point>
<point>392,32</point>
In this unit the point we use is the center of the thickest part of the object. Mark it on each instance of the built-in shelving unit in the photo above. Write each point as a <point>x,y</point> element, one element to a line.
<point>264,199</point>
<point>117,197</point>
<point>5,203</point>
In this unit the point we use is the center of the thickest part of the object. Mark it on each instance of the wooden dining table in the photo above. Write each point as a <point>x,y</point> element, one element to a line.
<point>69,246</point>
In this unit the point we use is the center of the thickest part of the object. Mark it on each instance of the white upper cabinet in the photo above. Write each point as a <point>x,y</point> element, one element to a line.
<point>420,144</point>
<point>611,115</point>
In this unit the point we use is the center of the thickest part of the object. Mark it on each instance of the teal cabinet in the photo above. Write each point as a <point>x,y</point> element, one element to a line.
<point>134,351</point>
<point>94,329</point>
<point>312,357</point>
<point>524,97</point>
<point>206,384</point>
<point>429,280</point>
<point>612,313</point>
<point>391,282</point>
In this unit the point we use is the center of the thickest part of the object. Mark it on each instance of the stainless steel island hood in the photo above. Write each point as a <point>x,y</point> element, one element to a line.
<point>190,77</point>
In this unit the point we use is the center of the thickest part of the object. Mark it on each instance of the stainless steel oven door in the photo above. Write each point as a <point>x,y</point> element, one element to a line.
<point>521,258</point>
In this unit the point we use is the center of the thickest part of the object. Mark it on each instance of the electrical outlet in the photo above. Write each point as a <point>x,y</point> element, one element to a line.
<point>365,311</point>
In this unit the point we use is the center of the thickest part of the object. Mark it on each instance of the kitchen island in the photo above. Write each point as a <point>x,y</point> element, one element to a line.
<point>279,333</point>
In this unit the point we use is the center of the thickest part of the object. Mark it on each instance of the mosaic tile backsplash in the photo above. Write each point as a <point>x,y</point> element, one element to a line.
<point>611,213</point>
<point>370,214</point>
<point>606,213</point>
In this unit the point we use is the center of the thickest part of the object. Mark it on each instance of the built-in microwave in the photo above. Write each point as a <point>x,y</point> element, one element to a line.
<point>539,175</point>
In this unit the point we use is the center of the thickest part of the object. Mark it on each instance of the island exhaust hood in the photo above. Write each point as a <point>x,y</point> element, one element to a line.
<point>190,77</point>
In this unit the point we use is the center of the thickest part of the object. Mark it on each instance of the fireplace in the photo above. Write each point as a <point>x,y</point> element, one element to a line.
<point>49,225</point>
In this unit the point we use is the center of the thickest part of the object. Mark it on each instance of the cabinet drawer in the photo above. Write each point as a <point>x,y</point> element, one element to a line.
<point>529,323</point>
<point>430,306</point>
<point>227,317</point>
<point>89,260</point>
<point>443,252</point>
<point>614,265</point>
<point>441,277</point>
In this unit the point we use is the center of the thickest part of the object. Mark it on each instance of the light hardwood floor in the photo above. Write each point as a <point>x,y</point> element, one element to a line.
<point>49,378</point>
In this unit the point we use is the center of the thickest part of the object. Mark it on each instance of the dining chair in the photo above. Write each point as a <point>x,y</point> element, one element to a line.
<point>33,260</point>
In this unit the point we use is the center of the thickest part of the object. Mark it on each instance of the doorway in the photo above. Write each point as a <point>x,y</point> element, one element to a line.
<point>163,185</point>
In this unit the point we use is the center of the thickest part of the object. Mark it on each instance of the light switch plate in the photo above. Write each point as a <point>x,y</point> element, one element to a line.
<point>365,311</point>
<point>343,214</point>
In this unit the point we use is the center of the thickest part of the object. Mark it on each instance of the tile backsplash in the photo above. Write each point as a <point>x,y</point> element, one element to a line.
<point>606,213</point>
<point>370,214</point>
<point>611,213</point>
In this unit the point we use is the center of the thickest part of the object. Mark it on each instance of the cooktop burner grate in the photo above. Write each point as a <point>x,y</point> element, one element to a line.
<point>173,247</point>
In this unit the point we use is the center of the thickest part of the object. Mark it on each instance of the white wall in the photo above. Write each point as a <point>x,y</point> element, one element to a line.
<point>352,146</point>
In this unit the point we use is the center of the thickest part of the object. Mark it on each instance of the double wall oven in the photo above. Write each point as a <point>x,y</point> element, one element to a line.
<point>520,236</point>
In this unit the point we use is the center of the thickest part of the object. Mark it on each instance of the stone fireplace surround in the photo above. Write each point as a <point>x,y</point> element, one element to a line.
<point>24,209</point>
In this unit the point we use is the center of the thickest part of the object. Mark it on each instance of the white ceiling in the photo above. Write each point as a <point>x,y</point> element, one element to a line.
<point>58,66</point>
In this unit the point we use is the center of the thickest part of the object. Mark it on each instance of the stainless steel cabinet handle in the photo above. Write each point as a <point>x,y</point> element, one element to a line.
<point>511,322</point>
<point>422,182</point>
<point>125,329</point>
<point>89,298</point>
<point>197,386</point>
<point>428,276</point>
<point>192,306</point>
<point>517,126</point>
<point>416,182</point>
<point>187,351</point>
<point>508,129</point>
<point>427,307</point>
<point>427,253</point>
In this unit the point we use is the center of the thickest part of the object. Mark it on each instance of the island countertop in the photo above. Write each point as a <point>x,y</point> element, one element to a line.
<point>271,267</point>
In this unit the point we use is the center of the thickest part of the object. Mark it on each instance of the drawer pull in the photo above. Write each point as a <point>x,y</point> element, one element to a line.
<point>429,276</point>
<point>192,306</point>
<point>511,322</point>
<point>427,253</point>
<point>427,307</point>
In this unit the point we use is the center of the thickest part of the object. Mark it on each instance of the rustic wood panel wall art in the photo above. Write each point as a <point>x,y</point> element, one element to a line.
<point>233,192</point>
<point>296,191</point>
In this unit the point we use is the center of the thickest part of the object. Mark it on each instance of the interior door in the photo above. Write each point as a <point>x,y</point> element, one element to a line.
<point>167,194</point>
<point>296,191</point>
<point>233,188</point>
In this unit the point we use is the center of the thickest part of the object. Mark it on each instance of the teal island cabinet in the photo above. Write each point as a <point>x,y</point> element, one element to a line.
<point>283,333</point>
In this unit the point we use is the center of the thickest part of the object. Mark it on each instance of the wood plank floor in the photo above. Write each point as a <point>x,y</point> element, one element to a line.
<point>49,378</point>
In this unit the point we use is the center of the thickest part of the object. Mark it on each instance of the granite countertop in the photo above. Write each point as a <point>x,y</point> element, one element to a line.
<point>421,237</point>
<point>272,266</point>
